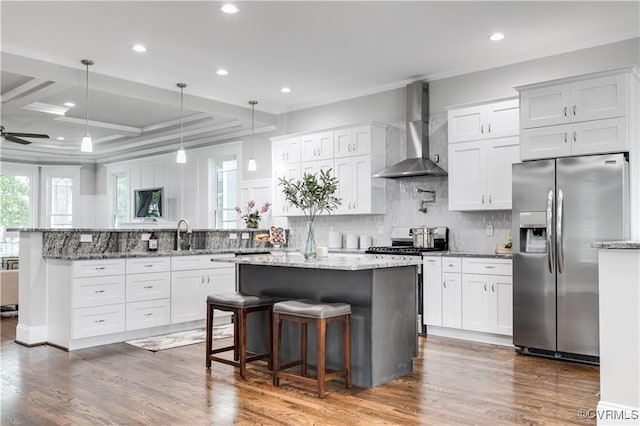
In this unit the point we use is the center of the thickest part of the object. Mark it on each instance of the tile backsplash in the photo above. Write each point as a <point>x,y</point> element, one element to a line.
<point>467,230</point>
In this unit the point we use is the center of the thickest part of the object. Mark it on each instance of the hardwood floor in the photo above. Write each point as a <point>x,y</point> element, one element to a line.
<point>454,382</point>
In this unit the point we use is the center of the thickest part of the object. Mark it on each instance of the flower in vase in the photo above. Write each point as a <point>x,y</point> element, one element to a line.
<point>251,214</point>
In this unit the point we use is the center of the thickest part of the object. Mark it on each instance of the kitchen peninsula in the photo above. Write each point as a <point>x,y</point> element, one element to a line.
<point>383,298</point>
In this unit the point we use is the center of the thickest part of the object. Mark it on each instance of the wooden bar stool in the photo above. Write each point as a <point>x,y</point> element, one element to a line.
<point>320,314</point>
<point>241,305</point>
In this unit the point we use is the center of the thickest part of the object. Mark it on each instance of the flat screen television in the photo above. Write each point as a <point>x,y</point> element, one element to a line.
<point>149,203</point>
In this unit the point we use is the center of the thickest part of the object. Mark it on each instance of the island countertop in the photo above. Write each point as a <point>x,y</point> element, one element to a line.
<point>616,244</point>
<point>334,261</point>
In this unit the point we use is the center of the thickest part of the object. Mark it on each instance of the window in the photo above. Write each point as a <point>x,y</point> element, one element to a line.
<point>61,202</point>
<point>121,200</point>
<point>226,190</point>
<point>15,210</point>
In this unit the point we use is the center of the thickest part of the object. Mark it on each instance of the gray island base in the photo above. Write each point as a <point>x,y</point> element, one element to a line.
<point>383,300</point>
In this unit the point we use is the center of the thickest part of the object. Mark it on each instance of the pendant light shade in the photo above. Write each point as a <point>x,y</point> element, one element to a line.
<point>87,144</point>
<point>181,158</point>
<point>252,167</point>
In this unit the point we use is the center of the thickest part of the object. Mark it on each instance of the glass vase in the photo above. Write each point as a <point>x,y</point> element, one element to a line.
<point>310,243</point>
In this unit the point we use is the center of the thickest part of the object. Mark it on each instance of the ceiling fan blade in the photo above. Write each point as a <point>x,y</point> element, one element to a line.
<point>17,140</point>
<point>27,135</point>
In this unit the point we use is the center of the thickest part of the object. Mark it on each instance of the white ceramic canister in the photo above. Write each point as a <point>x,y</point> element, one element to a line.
<point>365,241</point>
<point>335,240</point>
<point>351,241</point>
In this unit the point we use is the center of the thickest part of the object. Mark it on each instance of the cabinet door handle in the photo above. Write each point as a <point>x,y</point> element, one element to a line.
<point>565,137</point>
<point>489,127</point>
<point>489,198</point>
<point>574,136</point>
<point>208,279</point>
<point>485,286</point>
<point>574,110</point>
<point>493,288</point>
<point>99,291</point>
<point>565,111</point>
<point>482,128</point>
<point>444,283</point>
<point>287,155</point>
<point>202,279</point>
<point>482,198</point>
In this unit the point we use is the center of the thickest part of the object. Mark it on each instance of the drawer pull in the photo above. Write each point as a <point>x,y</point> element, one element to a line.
<point>451,264</point>
<point>99,291</point>
<point>148,266</point>
<point>148,286</point>
<point>100,268</point>
<point>98,321</point>
<point>149,314</point>
<point>212,259</point>
<point>490,267</point>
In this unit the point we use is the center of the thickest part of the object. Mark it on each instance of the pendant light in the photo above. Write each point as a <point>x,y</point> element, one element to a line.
<point>87,143</point>
<point>182,156</point>
<point>252,162</point>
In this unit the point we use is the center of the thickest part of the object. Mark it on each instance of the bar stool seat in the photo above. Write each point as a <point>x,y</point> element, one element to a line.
<point>241,305</point>
<point>319,314</point>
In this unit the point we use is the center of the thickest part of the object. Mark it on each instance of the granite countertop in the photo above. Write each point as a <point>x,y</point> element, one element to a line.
<point>616,244</point>
<point>337,262</point>
<point>172,229</point>
<point>119,255</point>
<point>468,254</point>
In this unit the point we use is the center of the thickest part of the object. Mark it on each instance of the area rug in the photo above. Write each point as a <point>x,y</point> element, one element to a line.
<point>183,338</point>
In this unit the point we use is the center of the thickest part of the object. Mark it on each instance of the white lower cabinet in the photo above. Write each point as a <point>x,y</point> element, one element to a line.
<point>149,313</point>
<point>190,287</point>
<point>473,294</point>
<point>487,295</point>
<point>148,293</point>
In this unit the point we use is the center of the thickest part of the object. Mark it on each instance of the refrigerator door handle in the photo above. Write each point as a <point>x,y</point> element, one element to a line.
<point>559,242</point>
<point>549,231</point>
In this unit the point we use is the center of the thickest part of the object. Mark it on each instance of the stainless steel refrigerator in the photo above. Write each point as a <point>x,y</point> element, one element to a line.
<point>561,206</point>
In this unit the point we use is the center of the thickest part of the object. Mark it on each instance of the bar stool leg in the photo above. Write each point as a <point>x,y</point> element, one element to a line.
<point>277,329</point>
<point>242,325</point>
<point>269,324</point>
<point>303,348</point>
<point>236,336</point>
<point>321,326</point>
<point>209,338</point>
<point>347,348</point>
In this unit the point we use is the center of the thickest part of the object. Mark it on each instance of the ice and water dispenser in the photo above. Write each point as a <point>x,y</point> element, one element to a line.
<point>533,232</point>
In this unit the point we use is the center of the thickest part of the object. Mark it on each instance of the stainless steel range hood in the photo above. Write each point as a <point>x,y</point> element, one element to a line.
<point>418,162</point>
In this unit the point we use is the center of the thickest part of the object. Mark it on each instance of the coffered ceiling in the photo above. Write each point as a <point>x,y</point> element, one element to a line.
<point>323,51</point>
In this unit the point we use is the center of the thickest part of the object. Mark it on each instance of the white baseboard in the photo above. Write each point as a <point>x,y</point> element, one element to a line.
<point>31,335</point>
<point>609,413</point>
<point>474,336</point>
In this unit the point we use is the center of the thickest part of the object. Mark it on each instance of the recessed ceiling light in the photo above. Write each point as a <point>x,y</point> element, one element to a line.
<point>222,71</point>
<point>139,48</point>
<point>496,37</point>
<point>60,138</point>
<point>69,104</point>
<point>286,90</point>
<point>229,8</point>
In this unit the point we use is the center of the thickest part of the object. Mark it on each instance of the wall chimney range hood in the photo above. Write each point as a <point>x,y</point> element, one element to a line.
<point>418,162</point>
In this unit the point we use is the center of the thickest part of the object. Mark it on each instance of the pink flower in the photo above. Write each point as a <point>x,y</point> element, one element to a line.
<point>238,210</point>
<point>265,208</point>
<point>252,204</point>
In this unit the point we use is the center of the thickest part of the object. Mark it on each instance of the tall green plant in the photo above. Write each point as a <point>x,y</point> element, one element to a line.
<point>314,194</point>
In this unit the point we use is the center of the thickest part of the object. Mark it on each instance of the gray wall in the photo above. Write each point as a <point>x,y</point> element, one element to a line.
<point>468,229</point>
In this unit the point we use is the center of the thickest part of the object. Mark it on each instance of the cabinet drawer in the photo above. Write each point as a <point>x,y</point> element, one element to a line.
<point>96,321</point>
<point>154,285</point>
<point>183,263</point>
<point>92,268</point>
<point>451,264</point>
<point>146,264</point>
<point>487,266</point>
<point>150,313</point>
<point>96,291</point>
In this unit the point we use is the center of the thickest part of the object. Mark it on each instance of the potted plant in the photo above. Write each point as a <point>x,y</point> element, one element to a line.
<point>251,214</point>
<point>314,194</point>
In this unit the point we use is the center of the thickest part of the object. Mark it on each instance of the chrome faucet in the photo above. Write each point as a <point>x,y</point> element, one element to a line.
<point>178,239</point>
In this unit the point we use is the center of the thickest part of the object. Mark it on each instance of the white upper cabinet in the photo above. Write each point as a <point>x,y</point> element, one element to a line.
<point>576,116</point>
<point>483,145</point>
<point>317,146</point>
<point>286,150</point>
<point>352,153</point>
<point>494,120</point>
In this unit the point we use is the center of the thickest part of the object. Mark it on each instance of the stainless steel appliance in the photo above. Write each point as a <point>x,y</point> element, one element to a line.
<point>402,247</point>
<point>561,206</point>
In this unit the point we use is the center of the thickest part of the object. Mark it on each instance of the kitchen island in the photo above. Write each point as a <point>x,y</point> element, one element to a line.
<point>383,298</point>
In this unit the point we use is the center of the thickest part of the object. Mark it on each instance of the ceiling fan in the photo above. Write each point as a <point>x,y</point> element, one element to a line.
<point>17,137</point>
